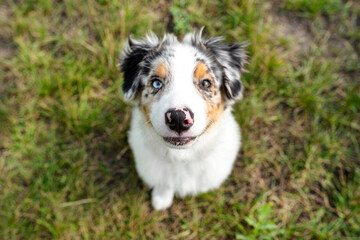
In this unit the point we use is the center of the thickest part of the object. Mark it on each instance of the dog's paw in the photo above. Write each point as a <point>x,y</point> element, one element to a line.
<point>161,199</point>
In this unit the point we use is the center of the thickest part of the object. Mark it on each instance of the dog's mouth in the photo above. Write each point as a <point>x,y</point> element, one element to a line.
<point>179,141</point>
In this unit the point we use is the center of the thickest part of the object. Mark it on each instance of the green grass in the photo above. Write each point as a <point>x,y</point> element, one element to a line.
<point>66,171</point>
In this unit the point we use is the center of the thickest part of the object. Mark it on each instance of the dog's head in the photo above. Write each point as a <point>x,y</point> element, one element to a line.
<point>182,87</point>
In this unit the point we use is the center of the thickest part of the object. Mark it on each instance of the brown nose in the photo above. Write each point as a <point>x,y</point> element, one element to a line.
<point>179,119</point>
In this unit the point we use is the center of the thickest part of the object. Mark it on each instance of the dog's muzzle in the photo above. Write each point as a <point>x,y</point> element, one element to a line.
<point>179,119</point>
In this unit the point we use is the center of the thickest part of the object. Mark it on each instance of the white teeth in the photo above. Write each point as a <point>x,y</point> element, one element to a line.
<point>178,141</point>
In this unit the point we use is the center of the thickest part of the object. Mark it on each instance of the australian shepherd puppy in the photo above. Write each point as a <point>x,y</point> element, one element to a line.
<point>183,135</point>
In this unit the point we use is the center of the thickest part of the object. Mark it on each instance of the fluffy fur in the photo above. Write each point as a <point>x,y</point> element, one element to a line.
<point>183,135</point>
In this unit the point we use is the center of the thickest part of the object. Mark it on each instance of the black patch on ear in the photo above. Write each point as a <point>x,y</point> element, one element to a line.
<point>232,88</point>
<point>130,64</point>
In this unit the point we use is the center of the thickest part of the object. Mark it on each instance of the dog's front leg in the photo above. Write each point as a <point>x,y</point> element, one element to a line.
<point>162,197</point>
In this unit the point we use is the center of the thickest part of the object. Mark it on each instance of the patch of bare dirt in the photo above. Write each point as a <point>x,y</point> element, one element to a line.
<point>295,30</point>
<point>6,51</point>
<point>301,37</point>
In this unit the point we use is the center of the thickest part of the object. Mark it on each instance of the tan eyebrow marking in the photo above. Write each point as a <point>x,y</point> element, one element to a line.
<point>201,71</point>
<point>160,70</point>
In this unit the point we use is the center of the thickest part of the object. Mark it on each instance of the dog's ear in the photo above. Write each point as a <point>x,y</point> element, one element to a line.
<point>131,58</point>
<point>232,57</point>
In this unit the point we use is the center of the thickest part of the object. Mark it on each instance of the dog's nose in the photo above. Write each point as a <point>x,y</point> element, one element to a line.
<point>179,119</point>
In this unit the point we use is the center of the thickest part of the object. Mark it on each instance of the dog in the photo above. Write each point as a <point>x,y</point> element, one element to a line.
<point>183,135</point>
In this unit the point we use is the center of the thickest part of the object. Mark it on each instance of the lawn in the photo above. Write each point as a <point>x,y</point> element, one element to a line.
<point>66,170</point>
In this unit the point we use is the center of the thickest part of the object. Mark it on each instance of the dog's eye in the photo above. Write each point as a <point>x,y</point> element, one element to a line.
<point>205,84</point>
<point>156,83</point>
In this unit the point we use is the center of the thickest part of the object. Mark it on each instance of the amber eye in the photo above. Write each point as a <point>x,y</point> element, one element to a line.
<point>205,84</point>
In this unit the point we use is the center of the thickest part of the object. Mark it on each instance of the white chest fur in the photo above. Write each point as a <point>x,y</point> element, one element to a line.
<point>189,171</point>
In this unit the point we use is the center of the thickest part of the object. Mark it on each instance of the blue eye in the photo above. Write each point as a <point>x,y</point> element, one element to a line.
<point>157,84</point>
<point>205,84</point>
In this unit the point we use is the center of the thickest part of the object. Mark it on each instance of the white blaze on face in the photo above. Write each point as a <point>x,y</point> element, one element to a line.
<point>180,92</point>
